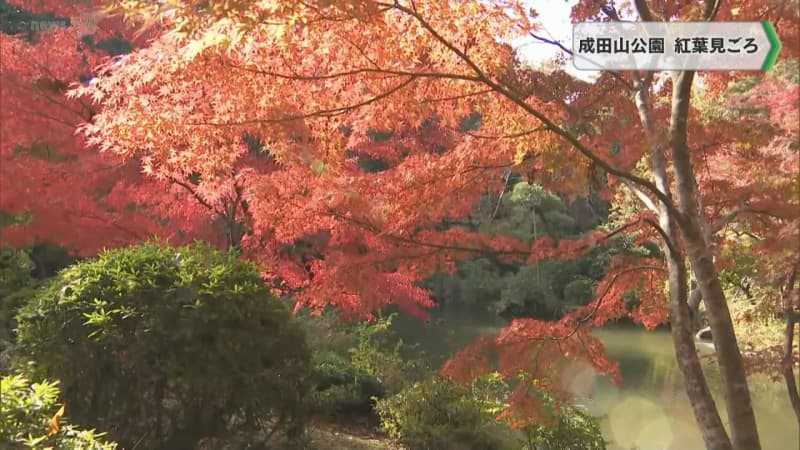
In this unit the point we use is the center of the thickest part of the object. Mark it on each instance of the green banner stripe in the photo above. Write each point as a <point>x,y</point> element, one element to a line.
<point>775,46</point>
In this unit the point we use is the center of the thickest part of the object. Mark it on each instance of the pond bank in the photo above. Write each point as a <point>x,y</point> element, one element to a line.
<point>651,411</point>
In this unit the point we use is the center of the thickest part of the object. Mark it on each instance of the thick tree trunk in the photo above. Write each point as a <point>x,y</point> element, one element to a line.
<point>744,432</point>
<point>681,319</point>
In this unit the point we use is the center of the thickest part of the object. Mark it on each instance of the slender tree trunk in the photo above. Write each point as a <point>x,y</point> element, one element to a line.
<point>681,319</point>
<point>744,432</point>
<point>787,365</point>
<point>703,406</point>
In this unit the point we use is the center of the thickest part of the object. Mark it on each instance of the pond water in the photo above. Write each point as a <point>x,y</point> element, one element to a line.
<point>651,411</point>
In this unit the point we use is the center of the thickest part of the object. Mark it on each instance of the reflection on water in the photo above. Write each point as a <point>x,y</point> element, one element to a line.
<point>651,411</point>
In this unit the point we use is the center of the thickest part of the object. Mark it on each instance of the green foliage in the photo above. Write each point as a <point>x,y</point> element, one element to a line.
<point>326,331</point>
<point>354,364</point>
<point>573,429</point>
<point>753,296</point>
<point>529,292</point>
<point>338,388</point>
<point>16,287</point>
<point>29,418</point>
<point>436,414</point>
<point>382,354</point>
<point>14,220</point>
<point>341,389</point>
<point>527,212</point>
<point>787,69</point>
<point>580,290</point>
<point>167,346</point>
<point>546,290</point>
<point>478,280</point>
<point>15,270</point>
<point>471,122</point>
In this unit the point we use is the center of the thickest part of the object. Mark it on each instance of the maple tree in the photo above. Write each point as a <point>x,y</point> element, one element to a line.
<point>54,189</point>
<point>313,81</point>
<point>297,75</point>
<point>756,234</point>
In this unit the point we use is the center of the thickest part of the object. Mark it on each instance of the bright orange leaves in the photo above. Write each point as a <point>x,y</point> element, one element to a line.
<point>314,81</point>
<point>75,196</point>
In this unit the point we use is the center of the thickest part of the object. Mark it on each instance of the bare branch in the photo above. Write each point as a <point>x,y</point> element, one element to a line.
<point>196,195</point>
<point>671,245</point>
<point>711,9</point>
<point>648,202</point>
<point>564,49</point>
<point>500,197</point>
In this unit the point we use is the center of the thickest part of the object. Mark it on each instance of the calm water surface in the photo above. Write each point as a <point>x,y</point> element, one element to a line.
<point>651,411</point>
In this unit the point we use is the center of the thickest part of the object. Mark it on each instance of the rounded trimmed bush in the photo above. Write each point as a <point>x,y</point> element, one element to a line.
<point>166,347</point>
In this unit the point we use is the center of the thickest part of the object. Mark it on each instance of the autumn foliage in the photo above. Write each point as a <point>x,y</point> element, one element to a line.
<point>251,121</point>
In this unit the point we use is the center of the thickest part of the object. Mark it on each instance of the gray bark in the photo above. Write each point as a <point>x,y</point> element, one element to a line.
<point>681,319</point>
<point>744,432</point>
<point>791,317</point>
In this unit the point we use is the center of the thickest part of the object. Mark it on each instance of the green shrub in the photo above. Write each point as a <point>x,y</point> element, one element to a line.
<point>381,353</point>
<point>16,287</point>
<point>341,389</point>
<point>166,346</point>
<point>436,414</point>
<point>572,429</point>
<point>353,364</point>
<point>30,418</point>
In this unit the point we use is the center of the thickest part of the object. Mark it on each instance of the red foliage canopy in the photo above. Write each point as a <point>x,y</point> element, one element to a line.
<point>312,82</point>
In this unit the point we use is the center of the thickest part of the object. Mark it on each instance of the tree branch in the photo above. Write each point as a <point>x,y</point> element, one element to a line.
<point>648,202</point>
<point>644,11</point>
<point>194,194</point>
<point>514,98</point>
<point>711,9</point>
<point>320,113</point>
<point>564,49</point>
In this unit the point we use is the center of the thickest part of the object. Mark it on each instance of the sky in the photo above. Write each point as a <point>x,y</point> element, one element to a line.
<point>555,25</point>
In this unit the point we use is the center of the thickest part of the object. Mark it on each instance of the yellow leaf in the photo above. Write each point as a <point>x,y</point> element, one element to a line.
<point>52,424</point>
<point>318,167</point>
<point>519,155</point>
<point>735,11</point>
